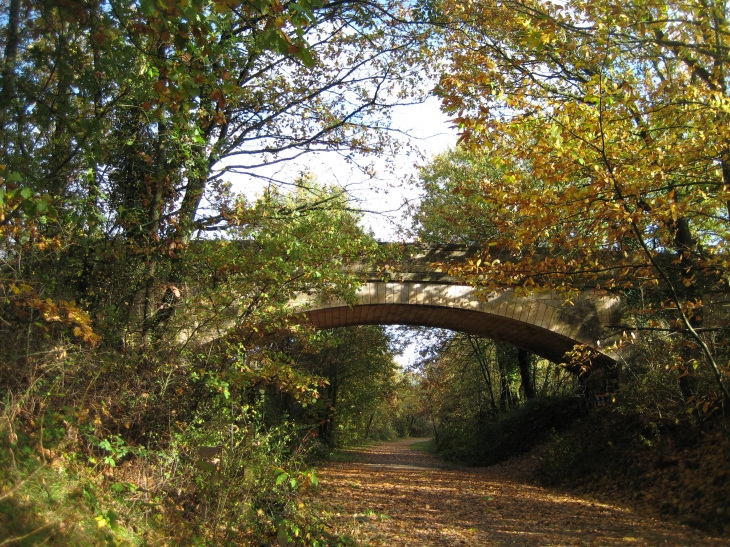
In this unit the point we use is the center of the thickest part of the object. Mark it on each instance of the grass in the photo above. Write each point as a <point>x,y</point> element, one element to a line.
<point>350,454</point>
<point>50,494</point>
<point>429,446</point>
<point>51,505</point>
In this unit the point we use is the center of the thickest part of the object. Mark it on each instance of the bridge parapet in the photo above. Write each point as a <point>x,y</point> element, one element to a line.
<point>417,262</point>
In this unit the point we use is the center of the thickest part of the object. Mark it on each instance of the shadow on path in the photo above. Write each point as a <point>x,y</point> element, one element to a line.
<point>395,496</point>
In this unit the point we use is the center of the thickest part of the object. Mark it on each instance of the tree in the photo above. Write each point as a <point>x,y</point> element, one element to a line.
<point>618,109</point>
<point>138,292</point>
<point>452,210</point>
<point>360,381</point>
<point>470,384</point>
<point>198,377</point>
<point>127,119</point>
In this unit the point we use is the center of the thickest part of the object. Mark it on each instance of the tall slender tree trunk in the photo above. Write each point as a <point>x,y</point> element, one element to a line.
<point>11,55</point>
<point>684,246</point>
<point>523,359</point>
<point>328,427</point>
<point>370,423</point>
<point>505,395</point>
<point>484,369</point>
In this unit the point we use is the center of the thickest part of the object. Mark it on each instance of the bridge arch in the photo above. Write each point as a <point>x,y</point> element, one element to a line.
<point>541,322</point>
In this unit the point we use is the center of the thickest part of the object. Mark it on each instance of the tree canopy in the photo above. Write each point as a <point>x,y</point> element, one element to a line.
<point>619,112</point>
<point>132,267</point>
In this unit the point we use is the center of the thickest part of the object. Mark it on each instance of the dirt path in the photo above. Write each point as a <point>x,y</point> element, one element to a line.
<point>395,496</point>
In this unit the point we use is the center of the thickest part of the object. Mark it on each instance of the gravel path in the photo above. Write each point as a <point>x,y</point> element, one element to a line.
<point>394,496</point>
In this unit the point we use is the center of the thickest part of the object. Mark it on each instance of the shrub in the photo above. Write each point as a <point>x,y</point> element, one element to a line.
<point>513,433</point>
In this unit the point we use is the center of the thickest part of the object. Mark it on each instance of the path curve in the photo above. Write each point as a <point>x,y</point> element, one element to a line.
<point>394,496</point>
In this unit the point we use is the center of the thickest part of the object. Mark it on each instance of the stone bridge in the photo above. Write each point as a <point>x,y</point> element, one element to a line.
<point>414,292</point>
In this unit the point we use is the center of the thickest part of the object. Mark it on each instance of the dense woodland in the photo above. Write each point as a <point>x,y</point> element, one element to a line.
<point>155,388</point>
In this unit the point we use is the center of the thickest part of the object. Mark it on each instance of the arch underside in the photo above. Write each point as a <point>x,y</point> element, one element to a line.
<point>536,339</point>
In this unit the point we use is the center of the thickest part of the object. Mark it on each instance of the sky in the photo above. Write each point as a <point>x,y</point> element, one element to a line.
<point>432,133</point>
<point>382,197</point>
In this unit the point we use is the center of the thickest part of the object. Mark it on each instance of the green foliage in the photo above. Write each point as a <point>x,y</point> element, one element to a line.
<point>124,113</point>
<point>567,456</point>
<point>115,449</point>
<point>47,498</point>
<point>217,472</point>
<point>452,210</point>
<point>135,396</point>
<point>235,473</point>
<point>117,122</point>
<point>469,384</point>
<point>363,396</point>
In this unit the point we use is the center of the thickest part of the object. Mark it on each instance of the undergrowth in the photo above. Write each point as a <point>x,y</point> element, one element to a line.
<point>232,479</point>
<point>510,434</point>
<point>672,461</point>
<point>49,498</point>
<point>677,469</point>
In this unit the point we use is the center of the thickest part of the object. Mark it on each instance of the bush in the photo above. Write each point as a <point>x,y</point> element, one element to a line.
<point>675,467</point>
<point>595,443</point>
<point>513,433</point>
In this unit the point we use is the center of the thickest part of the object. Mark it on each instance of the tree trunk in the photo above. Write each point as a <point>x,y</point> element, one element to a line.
<point>435,430</point>
<point>503,362</point>
<point>523,359</point>
<point>370,423</point>
<point>684,244</point>
<point>11,54</point>
<point>328,429</point>
<point>484,369</point>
